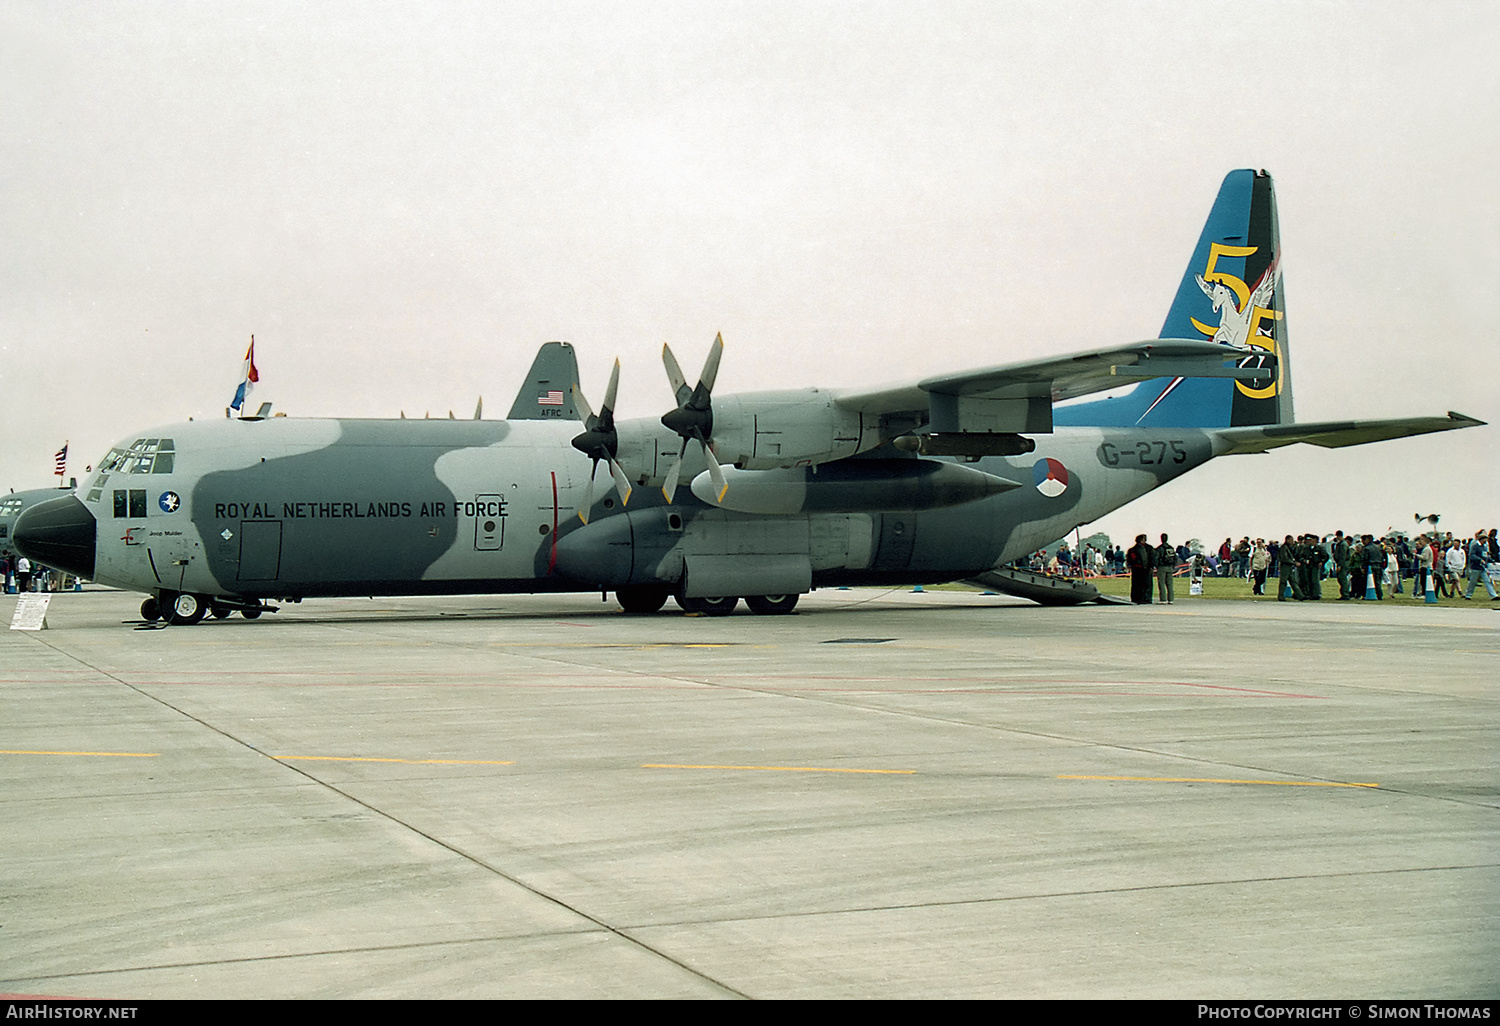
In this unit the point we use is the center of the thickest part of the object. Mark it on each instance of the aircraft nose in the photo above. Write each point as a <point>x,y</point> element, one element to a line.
<point>59,533</point>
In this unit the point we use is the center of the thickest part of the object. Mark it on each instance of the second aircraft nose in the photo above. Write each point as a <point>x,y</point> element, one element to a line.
<point>59,533</point>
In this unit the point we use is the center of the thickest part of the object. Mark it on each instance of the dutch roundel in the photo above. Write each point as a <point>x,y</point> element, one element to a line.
<point>1051,477</point>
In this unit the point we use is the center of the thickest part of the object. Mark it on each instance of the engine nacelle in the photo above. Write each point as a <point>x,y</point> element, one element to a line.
<point>781,430</point>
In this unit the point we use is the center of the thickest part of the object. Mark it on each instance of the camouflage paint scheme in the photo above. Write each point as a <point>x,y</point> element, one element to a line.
<point>284,508</point>
<point>234,512</point>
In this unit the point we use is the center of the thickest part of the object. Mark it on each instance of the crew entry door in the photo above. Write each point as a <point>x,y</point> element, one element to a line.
<point>260,550</point>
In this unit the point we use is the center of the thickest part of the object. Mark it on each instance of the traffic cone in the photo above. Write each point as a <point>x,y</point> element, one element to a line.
<point>1370,595</point>
<point>1431,591</point>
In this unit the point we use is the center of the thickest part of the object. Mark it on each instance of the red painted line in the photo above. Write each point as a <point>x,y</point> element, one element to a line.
<point>552,560</point>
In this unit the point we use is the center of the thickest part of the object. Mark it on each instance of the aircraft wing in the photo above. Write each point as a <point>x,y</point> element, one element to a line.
<point>1333,434</point>
<point>1018,396</point>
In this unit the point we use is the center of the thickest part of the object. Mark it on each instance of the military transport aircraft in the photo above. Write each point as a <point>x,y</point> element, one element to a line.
<point>935,480</point>
<point>13,504</point>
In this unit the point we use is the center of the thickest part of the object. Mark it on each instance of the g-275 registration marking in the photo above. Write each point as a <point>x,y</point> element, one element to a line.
<point>1144,453</point>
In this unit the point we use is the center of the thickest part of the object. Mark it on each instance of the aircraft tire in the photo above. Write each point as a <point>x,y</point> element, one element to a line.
<point>185,609</point>
<point>150,610</point>
<point>219,612</point>
<point>716,606</point>
<point>250,614</point>
<point>771,605</point>
<point>642,600</point>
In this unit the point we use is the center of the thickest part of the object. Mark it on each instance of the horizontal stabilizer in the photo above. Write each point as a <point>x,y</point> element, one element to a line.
<point>1333,434</point>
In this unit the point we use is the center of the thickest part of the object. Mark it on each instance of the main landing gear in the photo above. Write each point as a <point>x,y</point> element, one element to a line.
<point>771,605</point>
<point>761,605</point>
<point>183,609</point>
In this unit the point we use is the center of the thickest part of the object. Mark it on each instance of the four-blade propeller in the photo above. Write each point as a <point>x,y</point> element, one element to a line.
<point>694,417</point>
<point>600,441</point>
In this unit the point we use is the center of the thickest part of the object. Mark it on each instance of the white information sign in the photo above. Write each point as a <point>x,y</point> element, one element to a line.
<point>31,612</point>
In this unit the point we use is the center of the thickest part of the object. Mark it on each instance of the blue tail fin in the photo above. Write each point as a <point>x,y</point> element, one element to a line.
<point>1230,293</point>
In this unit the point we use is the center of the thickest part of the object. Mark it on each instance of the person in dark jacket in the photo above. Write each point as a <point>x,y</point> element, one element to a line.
<point>1315,557</point>
<point>1341,565</point>
<point>1373,568</point>
<point>1290,572</point>
<point>1141,559</point>
<point>1166,566</point>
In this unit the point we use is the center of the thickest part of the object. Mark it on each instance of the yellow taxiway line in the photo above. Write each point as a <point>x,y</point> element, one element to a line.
<point>409,762</point>
<point>1216,780</point>
<point>116,755</point>
<point>783,769</point>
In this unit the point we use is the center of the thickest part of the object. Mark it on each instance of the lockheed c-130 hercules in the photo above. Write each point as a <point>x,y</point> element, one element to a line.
<point>936,480</point>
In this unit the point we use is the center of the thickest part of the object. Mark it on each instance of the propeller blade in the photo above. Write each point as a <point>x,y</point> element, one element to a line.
<point>679,384</point>
<point>583,406</point>
<point>609,393</point>
<point>669,488</point>
<point>716,473</point>
<point>622,483</point>
<point>479,408</point>
<point>711,365</point>
<point>588,497</point>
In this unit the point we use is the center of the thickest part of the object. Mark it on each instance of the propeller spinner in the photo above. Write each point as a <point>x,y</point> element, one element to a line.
<point>600,441</point>
<point>694,417</point>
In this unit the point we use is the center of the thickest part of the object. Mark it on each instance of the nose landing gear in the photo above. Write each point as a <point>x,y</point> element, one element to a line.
<point>183,609</point>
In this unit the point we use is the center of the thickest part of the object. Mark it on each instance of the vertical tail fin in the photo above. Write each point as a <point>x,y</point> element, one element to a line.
<point>547,393</point>
<point>1230,293</point>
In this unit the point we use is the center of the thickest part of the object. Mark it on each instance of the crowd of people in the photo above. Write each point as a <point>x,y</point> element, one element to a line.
<point>17,573</point>
<point>1363,565</point>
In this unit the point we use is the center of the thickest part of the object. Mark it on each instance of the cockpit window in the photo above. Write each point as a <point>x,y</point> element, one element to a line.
<point>144,456</point>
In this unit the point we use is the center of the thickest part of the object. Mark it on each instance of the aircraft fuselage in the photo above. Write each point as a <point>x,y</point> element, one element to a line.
<point>290,508</point>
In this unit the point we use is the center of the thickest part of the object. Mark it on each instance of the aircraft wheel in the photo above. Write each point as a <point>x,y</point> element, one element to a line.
<point>642,600</point>
<point>250,614</point>
<point>186,610</point>
<point>717,606</point>
<point>150,610</point>
<point>219,612</point>
<point>771,605</point>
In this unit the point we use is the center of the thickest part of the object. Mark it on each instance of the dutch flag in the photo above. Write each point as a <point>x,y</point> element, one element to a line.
<point>248,380</point>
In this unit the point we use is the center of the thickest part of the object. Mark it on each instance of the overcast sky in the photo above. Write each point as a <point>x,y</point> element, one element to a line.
<point>401,201</point>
